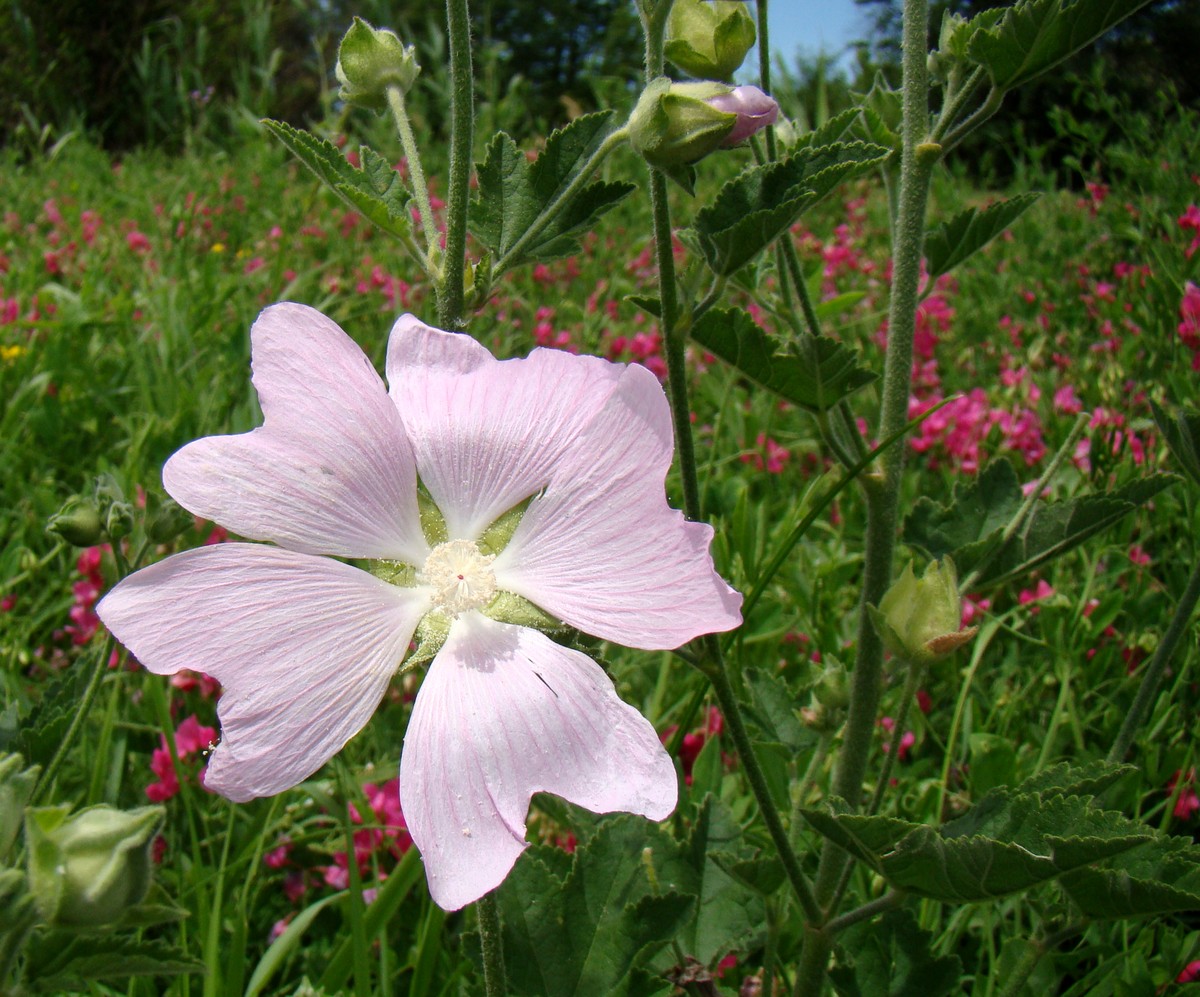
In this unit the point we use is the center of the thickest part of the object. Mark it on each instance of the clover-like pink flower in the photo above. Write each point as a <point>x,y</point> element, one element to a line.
<point>486,499</point>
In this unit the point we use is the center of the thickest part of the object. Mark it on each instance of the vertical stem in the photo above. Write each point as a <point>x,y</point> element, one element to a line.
<point>1152,677</point>
<point>493,952</point>
<point>764,68</point>
<point>883,491</point>
<point>416,172</point>
<point>462,125</point>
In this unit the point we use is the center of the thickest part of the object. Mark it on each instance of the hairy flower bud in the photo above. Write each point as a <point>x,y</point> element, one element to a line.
<point>920,621</point>
<point>675,124</point>
<point>369,61</point>
<point>78,522</point>
<point>166,519</point>
<point>89,869</point>
<point>709,40</point>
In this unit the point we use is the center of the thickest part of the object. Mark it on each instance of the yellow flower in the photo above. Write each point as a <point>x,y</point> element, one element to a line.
<point>10,353</point>
<point>217,247</point>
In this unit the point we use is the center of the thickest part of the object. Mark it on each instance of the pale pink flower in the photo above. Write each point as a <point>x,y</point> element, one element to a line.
<point>305,645</point>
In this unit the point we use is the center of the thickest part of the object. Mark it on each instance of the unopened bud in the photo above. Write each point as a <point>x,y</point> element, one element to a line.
<point>119,521</point>
<point>709,40</point>
<point>78,523</point>
<point>89,869</point>
<point>370,60</point>
<point>921,621</point>
<point>16,786</point>
<point>675,124</point>
<point>166,519</point>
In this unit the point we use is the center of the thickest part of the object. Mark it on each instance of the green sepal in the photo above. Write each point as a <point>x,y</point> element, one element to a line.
<point>399,573</point>
<point>508,607</point>
<point>433,523</point>
<point>496,537</point>
<point>16,786</point>
<point>370,60</point>
<point>430,635</point>
<point>709,41</point>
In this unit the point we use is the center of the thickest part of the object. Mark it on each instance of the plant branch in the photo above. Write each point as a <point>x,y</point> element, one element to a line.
<point>462,134</point>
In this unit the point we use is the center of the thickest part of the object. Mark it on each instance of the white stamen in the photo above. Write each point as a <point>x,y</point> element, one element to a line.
<point>459,575</point>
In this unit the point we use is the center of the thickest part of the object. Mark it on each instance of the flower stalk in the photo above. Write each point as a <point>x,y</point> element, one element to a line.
<point>451,287</point>
<point>420,187</point>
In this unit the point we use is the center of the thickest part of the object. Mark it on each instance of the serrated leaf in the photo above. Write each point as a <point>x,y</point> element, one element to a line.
<point>375,191</point>
<point>950,243</point>
<point>1036,35</point>
<point>970,528</point>
<point>582,935</point>
<point>1088,779</point>
<point>1181,430</point>
<point>516,196</point>
<point>880,113</point>
<point>41,732</point>
<point>763,202</point>
<point>833,130</point>
<point>1160,877</point>
<point>818,384</point>
<point>893,957</point>
<point>1007,843</point>
<point>109,957</point>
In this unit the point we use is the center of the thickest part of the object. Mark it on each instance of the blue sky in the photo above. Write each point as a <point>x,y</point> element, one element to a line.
<point>813,25</point>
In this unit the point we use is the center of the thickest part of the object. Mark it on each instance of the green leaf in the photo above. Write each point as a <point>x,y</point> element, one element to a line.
<point>376,190</point>
<point>1036,35</point>
<point>1182,433</point>
<point>818,384</point>
<point>108,957</point>
<point>948,244</point>
<point>283,946</point>
<point>773,711</point>
<point>1161,877</point>
<point>41,732</point>
<point>763,202</point>
<point>582,935</point>
<point>1006,843</point>
<point>516,196</point>
<point>893,957</point>
<point>1089,779</point>
<point>970,528</point>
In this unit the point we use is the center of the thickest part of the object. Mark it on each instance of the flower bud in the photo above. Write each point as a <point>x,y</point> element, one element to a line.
<point>78,523</point>
<point>920,621</point>
<point>675,124</point>
<point>709,40</point>
<point>89,869</point>
<point>754,109</point>
<point>119,521</point>
<point>369,61</point>
<point>16,785</point>
<point>166,519</point>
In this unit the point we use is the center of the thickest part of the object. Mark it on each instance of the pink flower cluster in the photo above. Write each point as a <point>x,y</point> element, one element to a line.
<point>84,621</point>
<point>387,837</point>
<point>191,738</point>
<point>768,455</point>
<point>1189,325</point>
<point>694,742</point>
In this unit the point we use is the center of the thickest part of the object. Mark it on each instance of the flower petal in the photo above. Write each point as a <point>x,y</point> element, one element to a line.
<point>330,471</point>
<point>504,713</point>
<point>603,551</point>
<point>304,646</point>
<point>487,433</point>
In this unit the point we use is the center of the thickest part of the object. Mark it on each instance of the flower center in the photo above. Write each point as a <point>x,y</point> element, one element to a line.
<point>459,575</point>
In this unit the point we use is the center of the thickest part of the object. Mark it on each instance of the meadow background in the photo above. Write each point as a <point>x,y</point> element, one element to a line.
<point>148,217</point>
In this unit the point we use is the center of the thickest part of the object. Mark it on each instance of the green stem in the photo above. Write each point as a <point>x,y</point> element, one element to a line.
<point>494,984</point>
<point>46,780</point>
<point>732,713</point>
<point>764,67</point>
<point>1152,677</point>
<point>416,172</point>
<point>560,200</point>
<point>462,136</point>
<point>911,681</point>
<point>883,494</point>
<point>889,901</point>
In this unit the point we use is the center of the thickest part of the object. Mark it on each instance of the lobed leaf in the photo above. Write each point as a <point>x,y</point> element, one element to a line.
<point>1160,877</point>
<point>517,197</point>
<point>950,243</point>
<point>816,384</point>
<point>1036,35</point>
<point>375,191</point>
<point>763,202</point>
<point>970,527</point>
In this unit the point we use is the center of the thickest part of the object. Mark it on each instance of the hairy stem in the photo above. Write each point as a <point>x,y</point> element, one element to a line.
<point>416,172</point>
<point>462,135</point>
<point>494,984</point>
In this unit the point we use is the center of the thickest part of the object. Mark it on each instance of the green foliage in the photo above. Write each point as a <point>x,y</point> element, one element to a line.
<point>524,211</point>
<point>1158,878</point>
<point>1182,433</point>
<point>816,383</point>
<point>952,242</point>
<point>107,958</point>
<point>375,190</point>
<point>893,957</point>
<point>1036,35</point>
<point>971,527</point>
<point>763,202</point>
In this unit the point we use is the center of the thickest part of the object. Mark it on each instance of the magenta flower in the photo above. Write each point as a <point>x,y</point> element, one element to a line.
<point>413,483</point>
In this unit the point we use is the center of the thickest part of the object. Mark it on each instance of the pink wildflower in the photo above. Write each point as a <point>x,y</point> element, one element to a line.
<point>306,645</point>
<point>1190,973</point>
<point>1187,802</point>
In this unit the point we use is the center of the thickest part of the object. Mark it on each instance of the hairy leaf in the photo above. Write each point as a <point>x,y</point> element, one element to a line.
<point>970,528</point>
<point>1160,877</point>
<point>816,383</point>
<point>516,196</point>
<point>893,957</point>
<point>763,202</point>
<point>949,244</point>
<point>1036,35</point>
<point>375,191</point>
